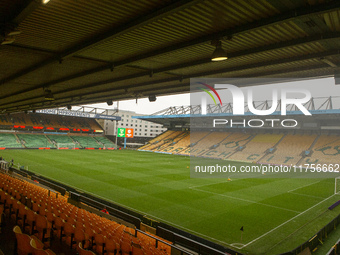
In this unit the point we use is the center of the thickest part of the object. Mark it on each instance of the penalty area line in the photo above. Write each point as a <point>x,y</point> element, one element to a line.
<point>303,186</point>
<point>246,200</point>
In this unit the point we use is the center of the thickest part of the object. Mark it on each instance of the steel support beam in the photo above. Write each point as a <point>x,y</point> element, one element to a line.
<point>118,91</point>
<point>276,46</point>
<point>284,17</point>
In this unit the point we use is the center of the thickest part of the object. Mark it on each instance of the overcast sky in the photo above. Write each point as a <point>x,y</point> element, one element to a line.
<point>143,105</point>
<point>318,88</point>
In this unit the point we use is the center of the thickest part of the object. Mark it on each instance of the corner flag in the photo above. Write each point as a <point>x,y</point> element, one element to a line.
<point>241,228</point>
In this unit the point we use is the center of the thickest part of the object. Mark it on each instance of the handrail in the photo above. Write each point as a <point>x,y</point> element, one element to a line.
<point>162,241</point>
<point>332,249</point>
<point>116,212</point>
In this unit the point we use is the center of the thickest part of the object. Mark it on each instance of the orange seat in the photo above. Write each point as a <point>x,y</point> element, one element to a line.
<point>59,227</point>
<point>23,242</point>
<point>38,250</point>
<point>125,247</point>
<point>137,250</point>
<point>99,243</point>
<point>90,233</point>
<point>22,214</point>
<point>69,230</point>
<point>111,246</point>
<point>30,221</point>
<point>81,237</point>
<point>43,228</point>
<point>1,215</point>
<point>84,252</point>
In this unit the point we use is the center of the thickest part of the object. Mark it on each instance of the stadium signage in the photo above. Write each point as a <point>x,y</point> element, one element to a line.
<point>125,132</point>
<point>78,114</point>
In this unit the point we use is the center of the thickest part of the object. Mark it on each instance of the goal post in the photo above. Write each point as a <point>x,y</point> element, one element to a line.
<point>66,146</point>
<point>337,185</point>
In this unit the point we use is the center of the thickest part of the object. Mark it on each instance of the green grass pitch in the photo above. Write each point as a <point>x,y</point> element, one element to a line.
<point>276,214</point>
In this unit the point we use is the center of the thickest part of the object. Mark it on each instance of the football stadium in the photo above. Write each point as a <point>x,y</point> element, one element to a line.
<point>250,166</point>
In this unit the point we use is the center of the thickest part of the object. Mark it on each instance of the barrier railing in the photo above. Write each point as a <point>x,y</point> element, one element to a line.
<point>317,239</point>
<point>335,249</point>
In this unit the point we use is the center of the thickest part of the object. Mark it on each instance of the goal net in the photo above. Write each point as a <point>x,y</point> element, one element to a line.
<point>66,146</point>
<point>337,185</point>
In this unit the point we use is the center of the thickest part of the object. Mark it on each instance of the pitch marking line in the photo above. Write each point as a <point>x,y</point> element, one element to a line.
<point>303,186</point>
<point>287,221</point>
<point>238,245</point>
<point>212,184</point>
<point>246,200</point>
<point>305,195</point>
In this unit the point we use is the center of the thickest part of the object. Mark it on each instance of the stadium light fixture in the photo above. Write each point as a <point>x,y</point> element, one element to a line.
<point>152,98</point>
<point>219,54</point>
<point>337,78</point>
<point>48,95</point>
<point>45,1</point>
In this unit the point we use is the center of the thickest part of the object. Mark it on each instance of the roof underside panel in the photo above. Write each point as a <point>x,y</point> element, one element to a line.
<point>90,51</point>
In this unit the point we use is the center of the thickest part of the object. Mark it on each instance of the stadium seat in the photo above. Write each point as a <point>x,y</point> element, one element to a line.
<point>112,247</point>
<point>22,215</point>
<point>30,221</point>
<point>83,251</point>
<point>90,233</point>
<point>9,141</point>
<point>125,247</point>
<point>325,151</point>
<point>136,249</point>
<point>15,210</point>
<point>38,250</point>
<point>1,216</point>
<point>23,242</point>
<point>99,242</point>
<point>110,238</point>
<point>80,237</point>
<point>43,228</point>
<point>37,243</point>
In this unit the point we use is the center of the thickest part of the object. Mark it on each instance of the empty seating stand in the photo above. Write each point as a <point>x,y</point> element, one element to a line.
<point>105,141</point>
<point>87,142</point>
<point>35,141</point>
<point>49,218</point>
<point>9,141</point>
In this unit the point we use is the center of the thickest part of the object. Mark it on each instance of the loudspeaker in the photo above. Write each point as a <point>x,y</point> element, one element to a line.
<point>152,98</point>
<point>337,79</point>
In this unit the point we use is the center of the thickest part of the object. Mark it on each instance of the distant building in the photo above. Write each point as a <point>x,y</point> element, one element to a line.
<point>141,128</point>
